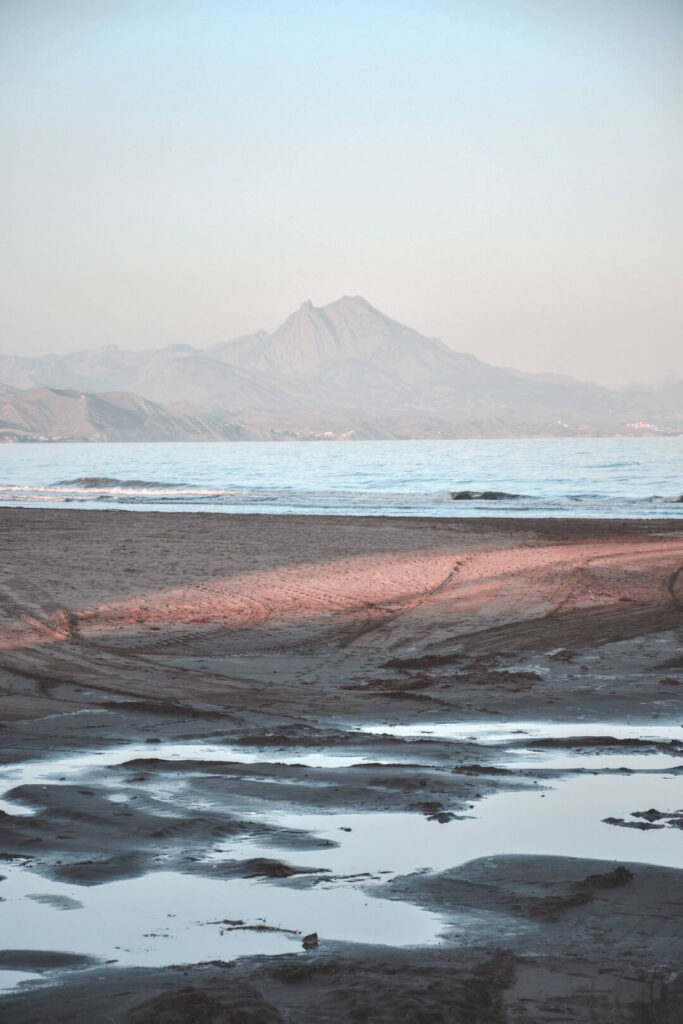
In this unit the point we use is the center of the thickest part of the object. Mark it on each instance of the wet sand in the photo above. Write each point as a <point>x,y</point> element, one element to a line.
<point>286,635</point>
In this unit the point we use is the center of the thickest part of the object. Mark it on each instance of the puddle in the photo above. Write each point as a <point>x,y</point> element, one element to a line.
<point>563,820</point>
<point>161,918</point>
<point>47,771</point>
<point>498,733</point>
<point>590,761</point>
<point>70,768</point>
<point>519,753</point>
<point>15,807</point>
<point>14,979</point>
<point>164,918</point>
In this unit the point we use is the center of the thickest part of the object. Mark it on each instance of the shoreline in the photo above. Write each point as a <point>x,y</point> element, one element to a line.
<point>85,596</point>
<point>276,638</point>
<point>201,510</point>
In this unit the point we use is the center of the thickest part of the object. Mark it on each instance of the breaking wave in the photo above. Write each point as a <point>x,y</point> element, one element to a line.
<point>113,492</point>
<point>623,478</point>
<point>99,482</point>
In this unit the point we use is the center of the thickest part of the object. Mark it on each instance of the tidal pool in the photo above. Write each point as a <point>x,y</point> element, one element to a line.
<point>516,732</point>
<point>562,817</point>
<point>169,917</point>
<point>69,769</point>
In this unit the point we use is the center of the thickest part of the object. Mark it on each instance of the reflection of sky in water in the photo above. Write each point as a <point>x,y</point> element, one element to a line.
<point>68,768</point>
<point>603,477</point>
<point>65,769</point>
<point>12,979</point>
<point>512,732</point>
<point>160,918</point>
<point>588,760</point>
<point>563,820</point>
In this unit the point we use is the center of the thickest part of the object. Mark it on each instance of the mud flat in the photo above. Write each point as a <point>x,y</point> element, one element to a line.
<point>452,749</point>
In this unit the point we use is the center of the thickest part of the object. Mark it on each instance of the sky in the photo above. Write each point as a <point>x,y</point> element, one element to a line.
<point>502,174</point>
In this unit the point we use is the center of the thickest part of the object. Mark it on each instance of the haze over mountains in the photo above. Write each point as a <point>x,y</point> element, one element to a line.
<point>343,370</point>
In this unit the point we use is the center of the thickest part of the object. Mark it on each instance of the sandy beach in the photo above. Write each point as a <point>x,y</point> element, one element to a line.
<point>285,637</point>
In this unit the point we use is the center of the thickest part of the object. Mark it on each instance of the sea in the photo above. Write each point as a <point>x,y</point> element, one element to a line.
<point>602,478</point>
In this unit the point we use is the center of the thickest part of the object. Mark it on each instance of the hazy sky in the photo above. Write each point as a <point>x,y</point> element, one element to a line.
<point>503,174</point>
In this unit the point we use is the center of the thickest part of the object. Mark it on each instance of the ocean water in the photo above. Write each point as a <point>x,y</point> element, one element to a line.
<point>591,477</point>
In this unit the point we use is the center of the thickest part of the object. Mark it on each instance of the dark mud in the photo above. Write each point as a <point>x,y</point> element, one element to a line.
<point>280,640</point>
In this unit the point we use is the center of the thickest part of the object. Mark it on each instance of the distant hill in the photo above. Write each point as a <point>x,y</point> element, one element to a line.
<point>342,370</point>
<point>49,414</point>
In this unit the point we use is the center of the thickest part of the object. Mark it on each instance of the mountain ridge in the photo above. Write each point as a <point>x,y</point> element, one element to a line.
<point>345,369</point>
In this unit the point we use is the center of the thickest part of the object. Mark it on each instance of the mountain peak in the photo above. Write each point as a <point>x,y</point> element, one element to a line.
<point>347,304</point>
<point>342,366</point>
<point>353,304</point>
<point>352,300</point>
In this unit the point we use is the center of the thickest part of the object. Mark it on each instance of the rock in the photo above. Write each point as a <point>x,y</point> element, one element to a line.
<point>263,867</point>
<point>670,819</point>
<point>481,495</point>
<point>642,825</point>
<point>608,880</point>
<point>240,1004</point>
<point>651,815</point>
<point>310,941</point>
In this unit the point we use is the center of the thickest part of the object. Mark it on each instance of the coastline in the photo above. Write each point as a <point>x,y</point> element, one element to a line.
<point>97,600</point>
<point>287,632</point>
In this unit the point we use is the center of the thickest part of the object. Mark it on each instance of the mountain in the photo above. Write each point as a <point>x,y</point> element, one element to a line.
<point>346,369</point>
<point>666,399</point>
<point>49,414</point>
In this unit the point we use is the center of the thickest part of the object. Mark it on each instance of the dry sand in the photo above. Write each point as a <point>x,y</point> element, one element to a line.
<point>287,631</point>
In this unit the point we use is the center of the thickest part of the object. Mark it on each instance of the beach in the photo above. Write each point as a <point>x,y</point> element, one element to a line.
<point>320,662</point>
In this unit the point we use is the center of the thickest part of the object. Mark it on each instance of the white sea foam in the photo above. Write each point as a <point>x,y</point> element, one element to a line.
<point>596,477</point>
